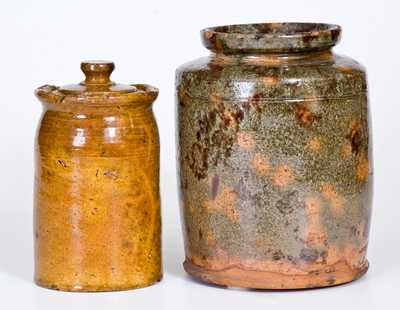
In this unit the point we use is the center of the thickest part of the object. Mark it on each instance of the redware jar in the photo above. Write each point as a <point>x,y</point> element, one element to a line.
<point>275,158</point>
<point>97,204</point>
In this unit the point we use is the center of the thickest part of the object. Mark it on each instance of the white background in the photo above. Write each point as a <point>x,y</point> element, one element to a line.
<point>44,41</point>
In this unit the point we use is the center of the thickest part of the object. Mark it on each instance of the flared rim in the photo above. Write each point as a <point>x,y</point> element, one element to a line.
<point>271,37</point>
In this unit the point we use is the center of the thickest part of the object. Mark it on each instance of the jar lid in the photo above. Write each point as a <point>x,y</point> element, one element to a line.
<point>97,88</point>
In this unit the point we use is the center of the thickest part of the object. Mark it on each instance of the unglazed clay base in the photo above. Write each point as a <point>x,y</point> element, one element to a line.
<point>237,276</point>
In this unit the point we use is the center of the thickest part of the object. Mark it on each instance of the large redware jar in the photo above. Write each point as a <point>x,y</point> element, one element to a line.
<point>274,157</point>
<point>97,203</point>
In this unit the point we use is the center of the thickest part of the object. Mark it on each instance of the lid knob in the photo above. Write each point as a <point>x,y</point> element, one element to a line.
<point>97,72</point>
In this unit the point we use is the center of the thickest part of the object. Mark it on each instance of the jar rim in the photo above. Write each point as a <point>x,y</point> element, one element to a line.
<point>144,94</point>
<point>271,37</point>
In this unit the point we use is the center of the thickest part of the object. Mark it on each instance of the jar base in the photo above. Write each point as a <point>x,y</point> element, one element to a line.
<point>237,276</point>
<point>93,289</point>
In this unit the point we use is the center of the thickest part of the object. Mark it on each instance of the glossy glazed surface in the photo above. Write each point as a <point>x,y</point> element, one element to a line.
<point>97,204</point>
<point>275,160</point>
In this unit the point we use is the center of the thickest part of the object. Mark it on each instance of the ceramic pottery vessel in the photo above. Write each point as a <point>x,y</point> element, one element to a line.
<point>274,156</point>
<point>97,203</point>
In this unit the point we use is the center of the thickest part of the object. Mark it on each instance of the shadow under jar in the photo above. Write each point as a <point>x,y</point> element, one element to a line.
<point>97,204</point>
<point>274,157</point>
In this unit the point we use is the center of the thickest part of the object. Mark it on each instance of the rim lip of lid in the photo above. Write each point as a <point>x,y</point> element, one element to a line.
<point>82,88</point>
<point>143,93</point>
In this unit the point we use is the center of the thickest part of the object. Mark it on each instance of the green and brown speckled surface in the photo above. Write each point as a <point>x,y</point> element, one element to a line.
<point>275,163</point>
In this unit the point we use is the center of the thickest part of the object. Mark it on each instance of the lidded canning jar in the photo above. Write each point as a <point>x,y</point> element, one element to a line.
<point>97,202</point>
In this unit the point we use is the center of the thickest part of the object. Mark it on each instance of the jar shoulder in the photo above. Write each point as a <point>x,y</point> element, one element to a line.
<point>346,61</point>
<point>328,75</point>
<point>250,66</point>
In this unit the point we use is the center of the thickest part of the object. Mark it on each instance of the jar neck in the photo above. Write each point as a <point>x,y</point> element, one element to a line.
<point>274,58</point>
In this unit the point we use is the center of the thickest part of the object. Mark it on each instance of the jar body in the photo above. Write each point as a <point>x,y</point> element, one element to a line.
<point>275,169</point>
<point>97,204</point>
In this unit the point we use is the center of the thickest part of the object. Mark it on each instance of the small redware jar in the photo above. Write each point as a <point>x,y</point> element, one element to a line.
<point>97,203</point>
<point>275,158</point>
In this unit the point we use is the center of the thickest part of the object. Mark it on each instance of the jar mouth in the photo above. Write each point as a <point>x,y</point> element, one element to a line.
<point>58,96</point>
<point>271,37</point>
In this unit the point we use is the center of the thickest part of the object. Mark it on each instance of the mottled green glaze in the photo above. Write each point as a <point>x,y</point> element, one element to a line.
<point>275,165</point>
